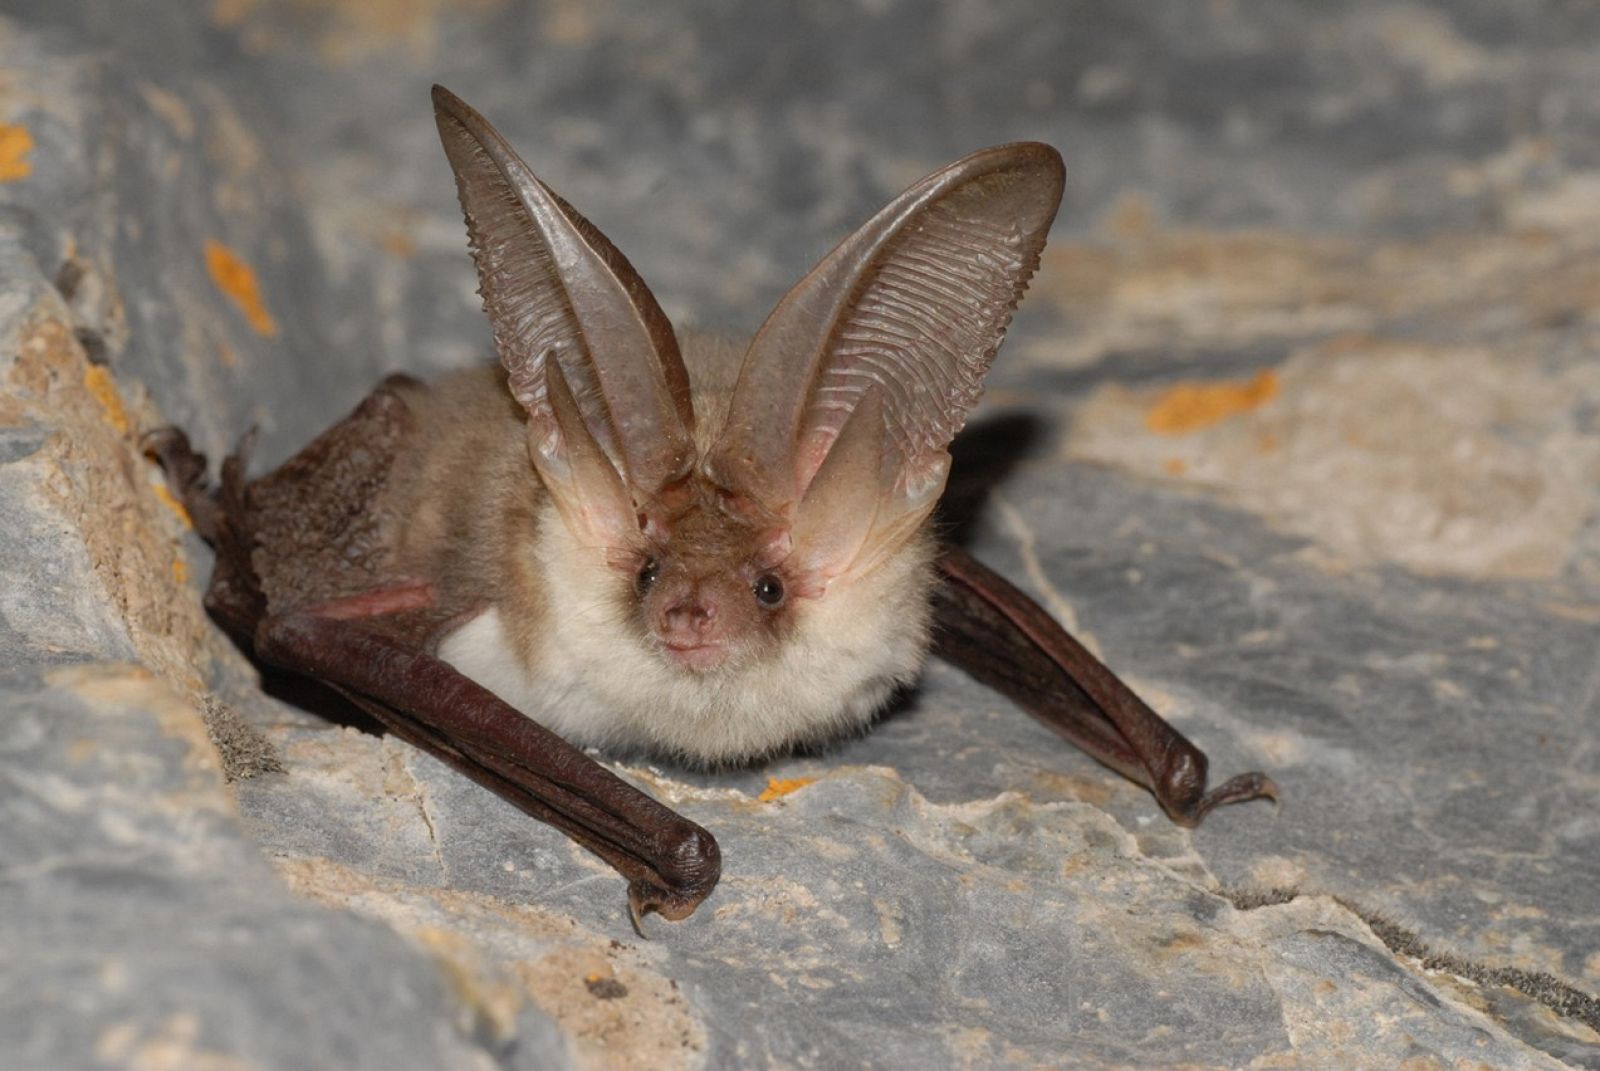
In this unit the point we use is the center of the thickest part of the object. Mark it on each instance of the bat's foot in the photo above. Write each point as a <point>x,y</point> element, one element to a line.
<point>1181,787</point>
<point>185,469</point>
<point>169,447</point>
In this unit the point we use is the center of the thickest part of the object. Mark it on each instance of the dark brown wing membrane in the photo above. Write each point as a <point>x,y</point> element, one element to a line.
<point>989,628</point>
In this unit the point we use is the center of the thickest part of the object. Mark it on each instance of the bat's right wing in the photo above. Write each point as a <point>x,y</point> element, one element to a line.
<point>671,863</point>
<point>304,580</point>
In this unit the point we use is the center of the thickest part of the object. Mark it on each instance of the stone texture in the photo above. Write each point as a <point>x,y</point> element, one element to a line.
<point>1298,429</point>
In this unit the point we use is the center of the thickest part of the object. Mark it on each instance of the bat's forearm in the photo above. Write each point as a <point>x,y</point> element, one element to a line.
<point>991,629</point>
<point>670,862</point>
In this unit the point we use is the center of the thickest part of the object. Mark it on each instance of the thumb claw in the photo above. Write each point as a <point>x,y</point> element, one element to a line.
<point>1248,786</point>
<point>646,896</point>
<point>636,911</point>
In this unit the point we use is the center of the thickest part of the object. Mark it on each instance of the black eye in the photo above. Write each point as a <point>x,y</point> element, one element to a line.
<point>769,590</point>
<point>647,575</point>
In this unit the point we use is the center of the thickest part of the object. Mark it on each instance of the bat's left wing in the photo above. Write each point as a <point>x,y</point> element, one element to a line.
<point>987,626</point>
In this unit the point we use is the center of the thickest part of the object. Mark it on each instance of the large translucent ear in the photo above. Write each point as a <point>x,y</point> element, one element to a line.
<point>591,356</point>
<point>853,388</point>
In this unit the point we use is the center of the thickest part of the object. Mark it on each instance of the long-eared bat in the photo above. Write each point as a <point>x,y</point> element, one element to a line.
<point>660,542</point>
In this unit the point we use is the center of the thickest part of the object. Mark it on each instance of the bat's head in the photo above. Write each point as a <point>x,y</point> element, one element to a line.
<point>762,519</point>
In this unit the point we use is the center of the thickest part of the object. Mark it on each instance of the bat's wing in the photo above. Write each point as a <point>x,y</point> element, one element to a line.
<point>989,628</point>
<point>671,864</point>
<point>305,580</point>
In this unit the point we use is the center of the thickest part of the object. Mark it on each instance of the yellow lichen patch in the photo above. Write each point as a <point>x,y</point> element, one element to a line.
<point>1190,407</point>
<point>116,686</point>
<point>1132,217</point>
<point>93,478</point>
<point>1070,786</point>
<point>490,993</point>
<point>165,496</point>
<point>615,1014</point>
<point>778,787</point>
<point>235,279</point>
<point>171,108</point>
<point>398,243</point>
<point>230,13</point>
<point>180,570</point>
<point>1442,458</point>
<point>173,1043</point>
<point>615,1009</point>
<point>569,24</point>
<point>15,145</point>
<point>104,389</point>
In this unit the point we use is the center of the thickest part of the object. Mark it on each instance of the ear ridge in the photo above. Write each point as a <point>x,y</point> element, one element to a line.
<point>585,486</point>
<point>555,288</point>
<point>915,304</point>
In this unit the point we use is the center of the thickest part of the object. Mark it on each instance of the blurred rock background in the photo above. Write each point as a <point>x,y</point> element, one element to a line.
<point>1298,427</point>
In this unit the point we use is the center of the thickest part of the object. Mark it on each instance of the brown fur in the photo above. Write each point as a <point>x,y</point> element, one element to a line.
<point>468,499</point>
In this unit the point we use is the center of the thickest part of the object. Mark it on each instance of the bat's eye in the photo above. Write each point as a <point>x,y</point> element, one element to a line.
<point>647,575</point>
<point>769,591</point>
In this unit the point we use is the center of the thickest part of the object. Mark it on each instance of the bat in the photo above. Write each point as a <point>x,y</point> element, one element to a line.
<point>626,537</point>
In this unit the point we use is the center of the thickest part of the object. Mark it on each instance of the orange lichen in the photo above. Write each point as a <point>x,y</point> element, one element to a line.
<point>778,787</point>
<point>168,500</point>
<point>235,279</point>
<point>15,145</point>
<point>104,390</point>
<point>397,243</point>
<point>568,24</point>
<point>230,13</point>
<point>1131,218</point>
<point>1190,407</point>
<point>1176,466</point>
<point>180,570</point>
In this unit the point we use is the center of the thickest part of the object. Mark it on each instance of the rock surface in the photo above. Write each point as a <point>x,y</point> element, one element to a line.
<point>1298,429</point>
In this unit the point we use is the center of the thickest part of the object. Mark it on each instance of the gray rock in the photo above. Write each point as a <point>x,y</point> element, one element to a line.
<point>1298,429</point>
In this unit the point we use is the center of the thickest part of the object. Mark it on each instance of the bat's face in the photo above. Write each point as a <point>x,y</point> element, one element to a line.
<point>709,595</point>
<point>697,644</point>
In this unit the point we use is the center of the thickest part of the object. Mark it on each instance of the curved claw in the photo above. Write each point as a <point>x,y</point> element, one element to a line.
<point>645,897</point>
<point>1244,787</point>
<point>638,905</point>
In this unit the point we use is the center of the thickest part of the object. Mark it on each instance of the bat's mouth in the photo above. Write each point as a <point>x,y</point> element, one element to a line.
<point>698,657</point>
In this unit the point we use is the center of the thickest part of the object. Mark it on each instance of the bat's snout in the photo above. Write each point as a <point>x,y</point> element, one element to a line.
<point>690,627</point>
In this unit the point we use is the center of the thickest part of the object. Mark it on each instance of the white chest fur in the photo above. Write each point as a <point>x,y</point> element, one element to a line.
<point>590,678</point>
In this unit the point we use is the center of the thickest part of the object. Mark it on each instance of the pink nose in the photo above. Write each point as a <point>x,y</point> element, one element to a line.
<point>689,617</point>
